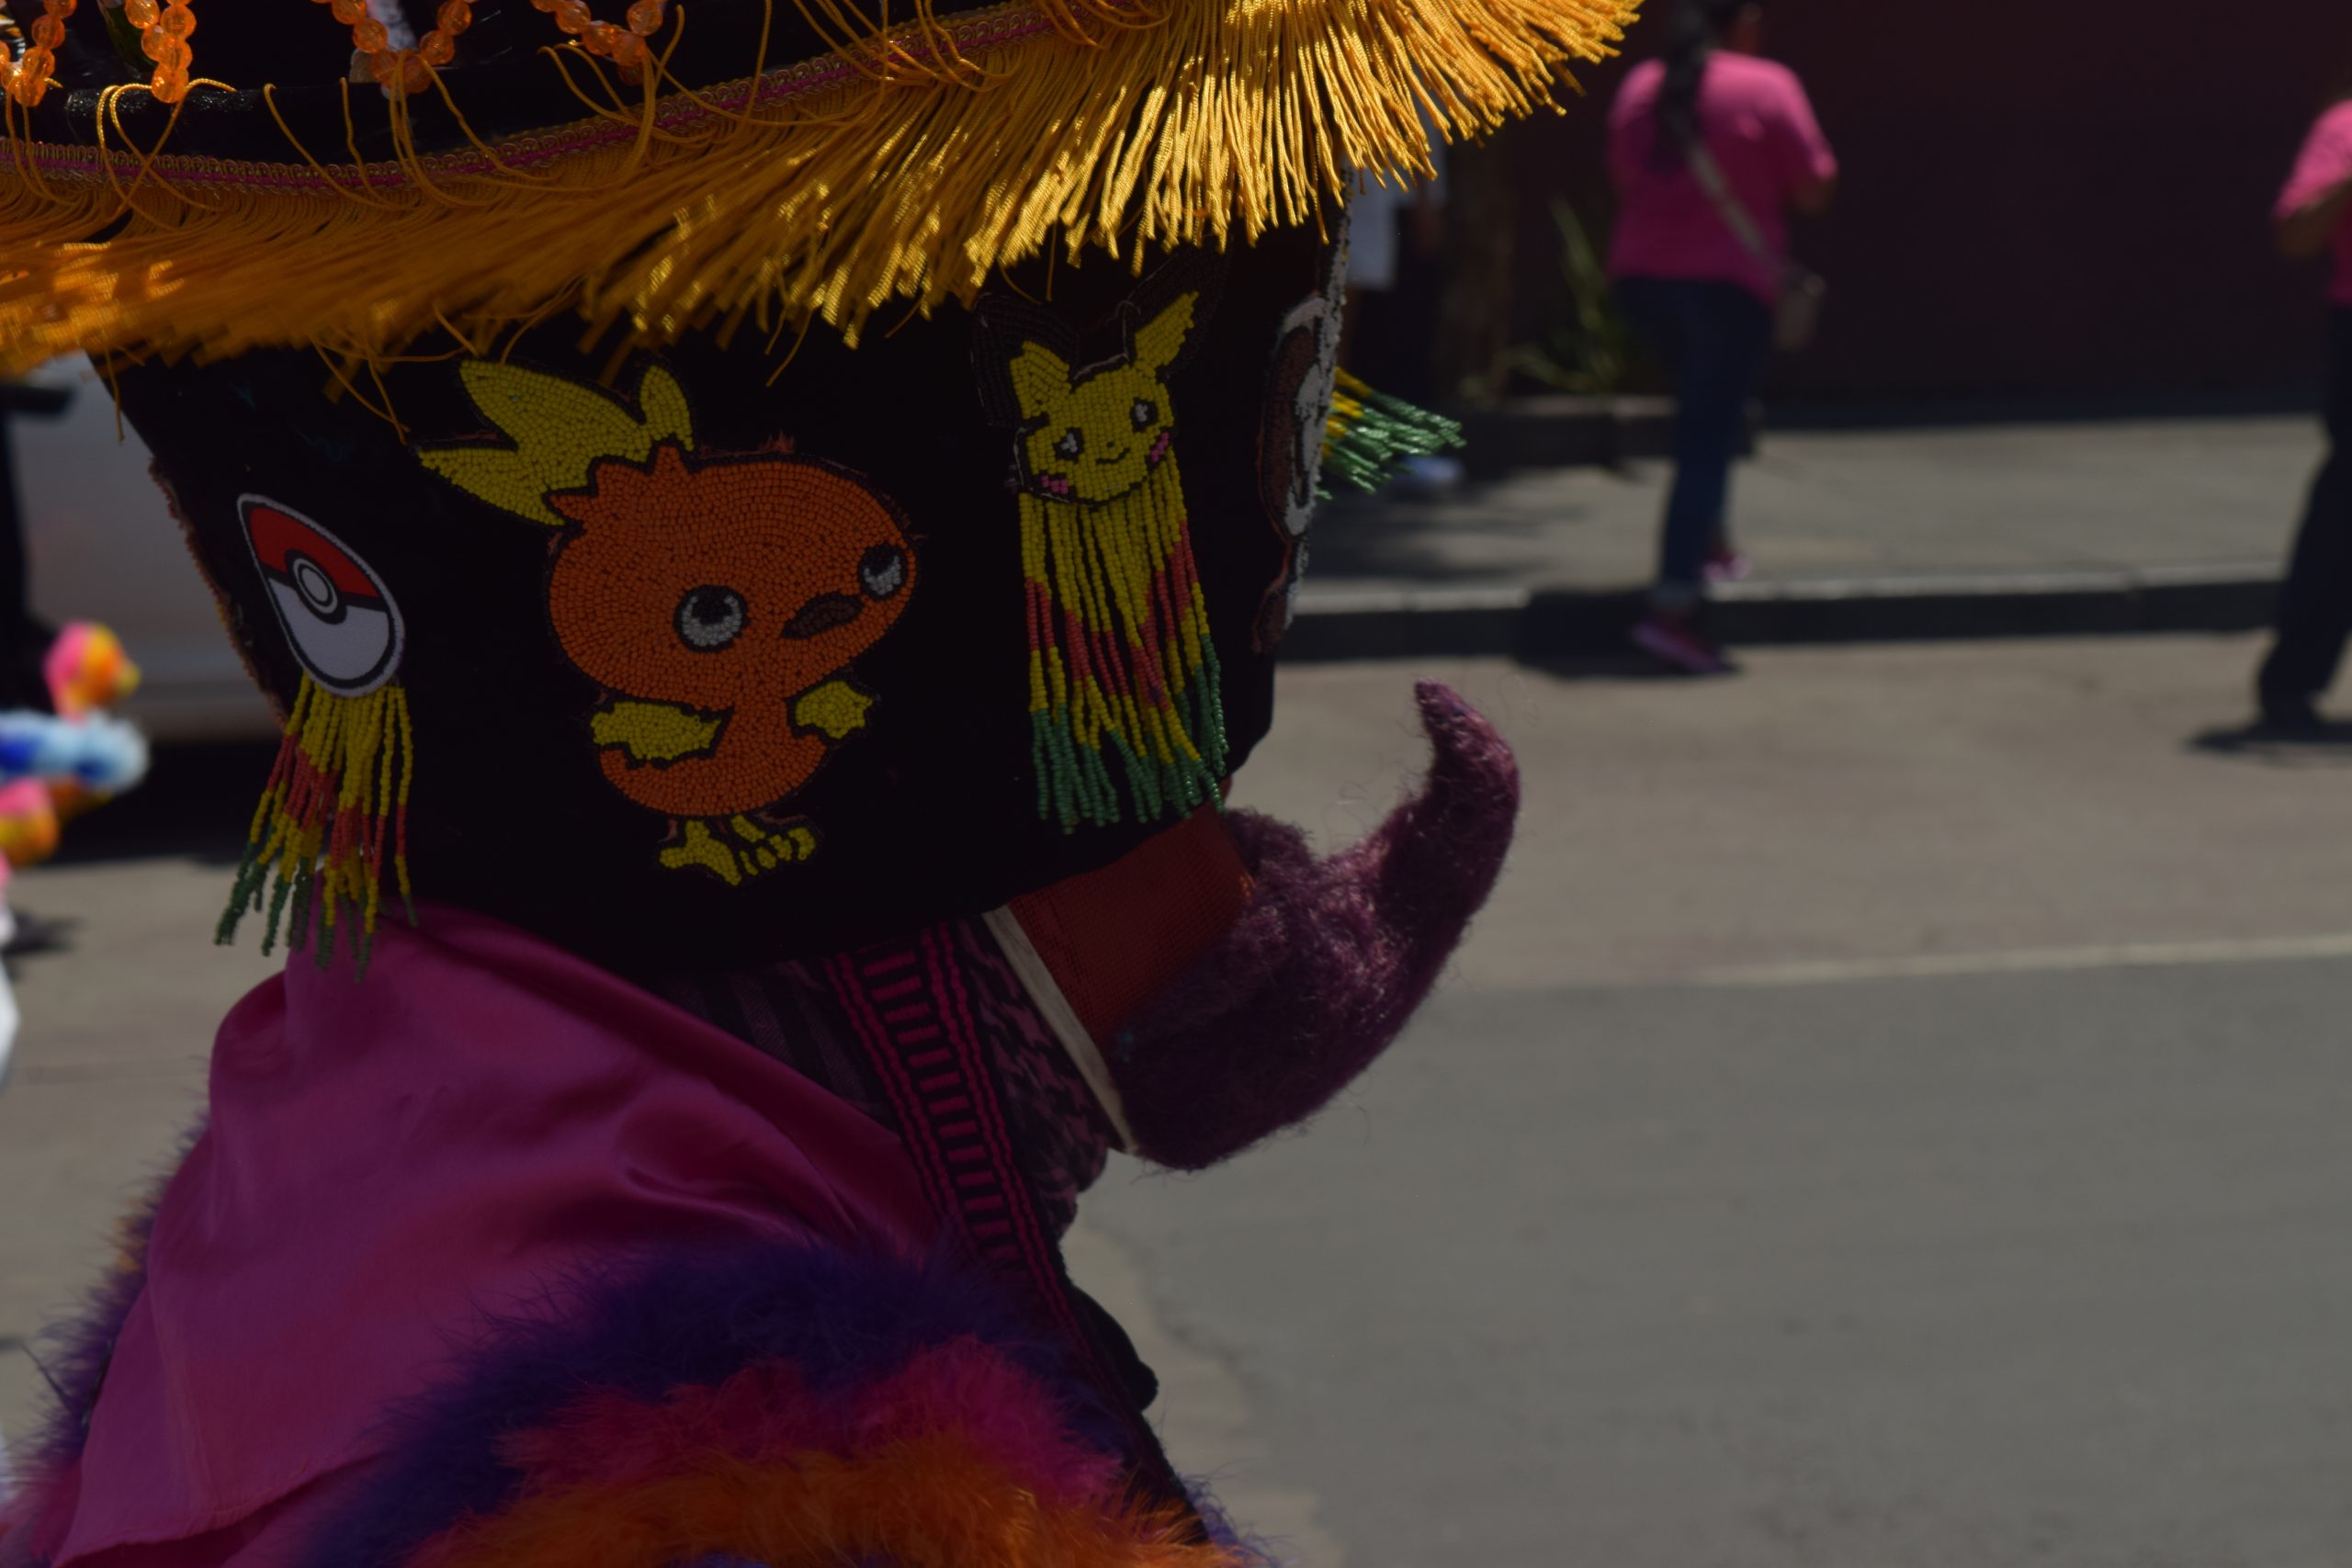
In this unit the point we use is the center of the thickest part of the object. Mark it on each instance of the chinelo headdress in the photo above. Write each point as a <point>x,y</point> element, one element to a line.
<point>713,479</point>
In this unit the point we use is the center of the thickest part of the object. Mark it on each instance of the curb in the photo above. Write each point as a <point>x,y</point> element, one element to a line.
<point>1549,625</point>
<point>1571,430</point>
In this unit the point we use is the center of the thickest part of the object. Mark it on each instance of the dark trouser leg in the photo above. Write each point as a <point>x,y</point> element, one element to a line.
<point>1714,337</point>
<point>2315,603</point>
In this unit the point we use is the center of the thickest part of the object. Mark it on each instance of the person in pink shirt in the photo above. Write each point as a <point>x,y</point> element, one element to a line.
<point>2314,614</point>
<point>1698,290</point>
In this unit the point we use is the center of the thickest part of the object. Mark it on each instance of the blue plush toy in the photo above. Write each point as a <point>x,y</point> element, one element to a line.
<point>99,752</point>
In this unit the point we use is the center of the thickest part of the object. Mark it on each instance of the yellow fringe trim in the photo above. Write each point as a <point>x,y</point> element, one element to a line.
<point>907,165</point>
<point>335,806</point>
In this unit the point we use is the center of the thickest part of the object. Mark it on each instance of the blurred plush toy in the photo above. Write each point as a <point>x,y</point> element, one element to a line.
<point>98,755</point>
<point>29,826</point>
<point>54,766</point>
<point>57,766</point>
<point>87,669</point>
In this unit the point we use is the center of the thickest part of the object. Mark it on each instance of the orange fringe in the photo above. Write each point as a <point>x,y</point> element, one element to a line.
<point>927,1502</point>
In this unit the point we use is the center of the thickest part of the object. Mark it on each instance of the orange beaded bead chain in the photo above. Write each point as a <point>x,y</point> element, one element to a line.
<point>625,47</point>
<point>29,78</point>
<point>403,68</point>
<point>162,37</point>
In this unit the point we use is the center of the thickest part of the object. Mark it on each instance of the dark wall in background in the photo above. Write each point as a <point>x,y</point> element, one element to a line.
<point>2048,200</point>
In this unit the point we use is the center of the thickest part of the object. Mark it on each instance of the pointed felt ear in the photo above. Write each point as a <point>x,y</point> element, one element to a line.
<point>1161,340</point>
<point>1040,379</point>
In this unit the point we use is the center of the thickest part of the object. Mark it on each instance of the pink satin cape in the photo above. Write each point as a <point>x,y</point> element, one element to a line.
<point>389,1159</point>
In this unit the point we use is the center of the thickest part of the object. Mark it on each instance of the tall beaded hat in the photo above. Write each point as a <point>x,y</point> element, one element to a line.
<point>714,480</point>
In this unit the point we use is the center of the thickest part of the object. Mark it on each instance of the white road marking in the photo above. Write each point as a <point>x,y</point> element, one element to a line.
<point>2033,961</point>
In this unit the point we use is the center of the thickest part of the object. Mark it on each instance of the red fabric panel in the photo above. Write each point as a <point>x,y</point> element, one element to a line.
<point>1114,937</point>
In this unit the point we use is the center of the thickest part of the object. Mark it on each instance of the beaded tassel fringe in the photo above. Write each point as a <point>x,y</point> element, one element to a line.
<point>1120,663</point>
<point>1369,434</point>
<point>336,802</point>
<point>909,165</point>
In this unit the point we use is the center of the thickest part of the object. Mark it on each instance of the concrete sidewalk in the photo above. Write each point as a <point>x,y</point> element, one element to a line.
<point>1990,529</point>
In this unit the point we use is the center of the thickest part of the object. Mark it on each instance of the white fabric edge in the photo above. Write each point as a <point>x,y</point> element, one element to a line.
<point>1037,978</point>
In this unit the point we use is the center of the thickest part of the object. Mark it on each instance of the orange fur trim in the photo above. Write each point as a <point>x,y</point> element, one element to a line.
<point>931,1501</point>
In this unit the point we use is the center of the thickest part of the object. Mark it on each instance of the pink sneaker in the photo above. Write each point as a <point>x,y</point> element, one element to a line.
<point>1726,564</point>
<point>1673,639</point>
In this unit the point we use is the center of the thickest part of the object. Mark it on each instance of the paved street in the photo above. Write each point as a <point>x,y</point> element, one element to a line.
<point>108,1071</point>
<point>1892,1116</point>
<point>1883,1122</point>
<point>2009,1269</point>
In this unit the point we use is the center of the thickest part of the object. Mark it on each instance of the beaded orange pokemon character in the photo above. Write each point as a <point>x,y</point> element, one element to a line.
<point>337,799</point>
<point>1120,663</point>
<point>717,599</point>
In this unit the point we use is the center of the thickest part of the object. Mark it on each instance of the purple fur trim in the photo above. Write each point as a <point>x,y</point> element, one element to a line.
<point>839,1319</point>
<point>766,1415</point>
<point>1248,1551</point>
<point>1329,961</point>
<point>75,1352</point>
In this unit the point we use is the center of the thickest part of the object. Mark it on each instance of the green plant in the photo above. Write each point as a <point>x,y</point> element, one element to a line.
<point>1587,347</point>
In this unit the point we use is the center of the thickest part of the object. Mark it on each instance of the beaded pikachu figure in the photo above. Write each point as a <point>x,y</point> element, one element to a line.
<point>1121,664</point>
<point>717,599</point>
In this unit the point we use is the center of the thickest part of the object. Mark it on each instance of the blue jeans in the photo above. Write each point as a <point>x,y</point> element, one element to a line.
<point>1712,338</point>
<point>2315,602</point>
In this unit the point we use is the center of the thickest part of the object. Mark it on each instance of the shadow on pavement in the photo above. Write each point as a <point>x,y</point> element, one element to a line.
<point>2330,739</point>
<point>1419,540</point>
<point>37,936</point>
<point>1629,667</point>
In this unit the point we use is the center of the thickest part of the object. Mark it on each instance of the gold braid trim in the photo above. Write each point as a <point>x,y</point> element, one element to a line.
<point>904,166</point>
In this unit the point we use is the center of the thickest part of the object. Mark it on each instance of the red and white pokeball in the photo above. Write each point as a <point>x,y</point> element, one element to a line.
<point>344,625</point>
